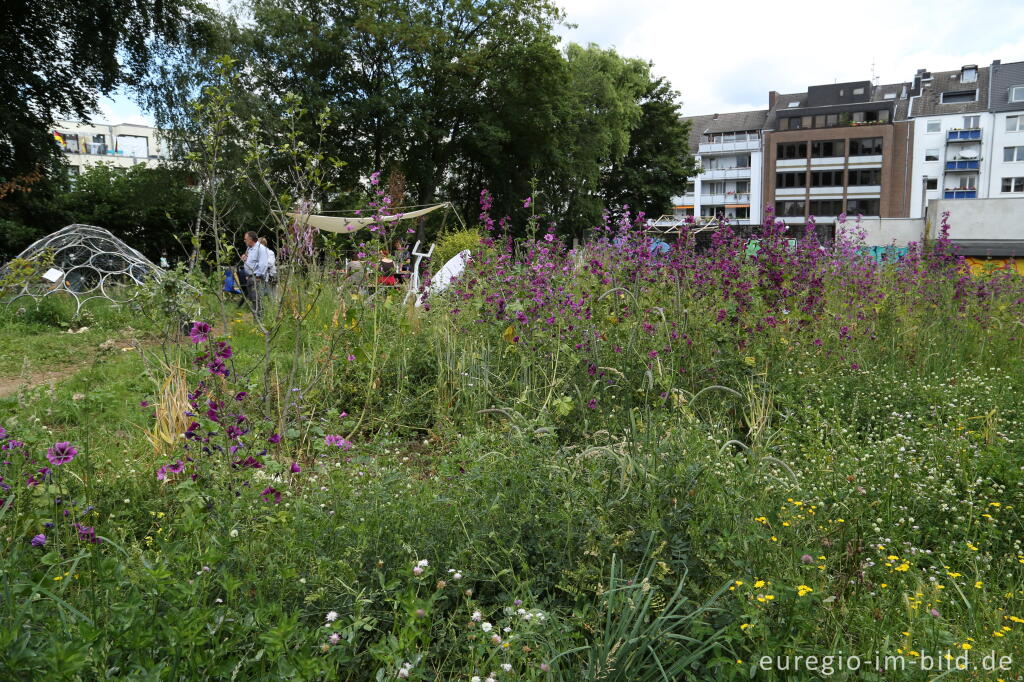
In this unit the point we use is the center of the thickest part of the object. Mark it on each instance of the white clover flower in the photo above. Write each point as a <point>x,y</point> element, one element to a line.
<point>476,616</point>
<point>507,667</point>
<point>456,575</point>
<point>234,533</point>
<point>423,563</point>
<point>332,616</point>
<point>485,626</point>
<point>475,678</point>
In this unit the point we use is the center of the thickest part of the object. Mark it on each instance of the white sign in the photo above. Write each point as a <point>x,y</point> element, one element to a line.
<point>53,275</point>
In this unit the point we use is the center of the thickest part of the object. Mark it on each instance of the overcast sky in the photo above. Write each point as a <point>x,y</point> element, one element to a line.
<point>727,57</point>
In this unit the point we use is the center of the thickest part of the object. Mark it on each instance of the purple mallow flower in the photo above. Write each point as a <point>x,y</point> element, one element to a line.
<point>39,540</point>
<point>61,453</point>
<point>200,332</point>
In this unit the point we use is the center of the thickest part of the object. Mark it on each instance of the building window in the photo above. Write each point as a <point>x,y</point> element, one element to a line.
<point>743,161</point>
<point>931,183</point>
<point>1014,123</point>
<point>133,145</point>
<point>789,209</point>
<point>866,146</point>
<point>858,91</point>
<point>1017,93</point>
<point>969,74</point>
<point>1013,153</point>
<point>865,176</point>
<point>827,207</point>
<point>742,187</point>
<point>931,154</point>
<point>933,126</point>
<point>862,206</point>
<point>972,122</point>
<point>1013,185</point>
<point>793,105</point>
<point>830,178</point>
<point>959,96</point>
<point>786,180</point>
<point>828,148</point>
<point>792,150</point>
<point>793,123</point>
<point>74,170</point>
<point>71,142</point>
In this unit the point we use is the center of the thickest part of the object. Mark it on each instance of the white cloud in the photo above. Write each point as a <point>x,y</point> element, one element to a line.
<point>727,58</point>
<point>119,108</point>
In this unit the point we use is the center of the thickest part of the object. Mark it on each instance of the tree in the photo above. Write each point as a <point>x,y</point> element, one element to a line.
<point>150,209</point>
<point>596,127</point>
<point>658,163</point>
<point>57,58</point>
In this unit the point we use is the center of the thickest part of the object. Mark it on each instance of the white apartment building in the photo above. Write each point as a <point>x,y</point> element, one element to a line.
<point>968,134</point>
<point>123,145</point>
<point>728,149</point>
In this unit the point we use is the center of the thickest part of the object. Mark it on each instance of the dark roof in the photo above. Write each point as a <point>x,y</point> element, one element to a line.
<point>875,98</point>
<point>738,121</point>
<point>723,123</point>
<point>929,103</point>
<point>698,124</point>
<point>1004,77</point>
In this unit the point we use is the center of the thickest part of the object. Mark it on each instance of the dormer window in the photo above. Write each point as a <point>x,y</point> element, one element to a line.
<point>969,74</point>
<point>959,96</point>
<point>1017,93</point>
<point>793,105</point>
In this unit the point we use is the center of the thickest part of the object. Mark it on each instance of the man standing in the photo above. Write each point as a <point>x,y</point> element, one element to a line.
<point>271,288</point>
<point>256,261</point>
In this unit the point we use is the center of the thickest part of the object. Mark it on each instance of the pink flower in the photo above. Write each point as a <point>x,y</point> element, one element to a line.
<point>61,453</point>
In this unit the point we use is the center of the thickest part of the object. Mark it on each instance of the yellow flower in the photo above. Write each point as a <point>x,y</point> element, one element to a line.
<point>892,557</point>
<point>978,584</point>
<point>972,547</point>
<point>903,567</point>
<point>965,646</point>
<point>750,361</point>
<point>758,584</point>
<point>762,519</point>
<point>953,575</point>
<point>58,577</point>
<point>744,626</point>
<point>774,539</point>
<point>803,590</point>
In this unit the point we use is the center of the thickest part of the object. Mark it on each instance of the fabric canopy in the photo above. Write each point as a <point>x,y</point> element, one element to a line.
<point>344,225</point>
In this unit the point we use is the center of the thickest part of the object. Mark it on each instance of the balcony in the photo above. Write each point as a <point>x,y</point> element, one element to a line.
<point>728,198</point>
<point>959,194</point>
<point>725,173</point>
<point>971,135</point>
<point>727,147</point>
<point>964,165</point>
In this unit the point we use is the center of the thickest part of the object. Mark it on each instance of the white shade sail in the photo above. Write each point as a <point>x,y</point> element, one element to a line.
<point>347,224</point>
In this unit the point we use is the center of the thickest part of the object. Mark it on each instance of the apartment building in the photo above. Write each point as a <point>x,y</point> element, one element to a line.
<point>122,146</point>
<point>729,150</point>
<point>953,135</point>
<point>1006,147</point>
<point>839,148</point>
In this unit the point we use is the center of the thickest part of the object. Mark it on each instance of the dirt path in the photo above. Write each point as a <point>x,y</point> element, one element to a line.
<point>11,385</point>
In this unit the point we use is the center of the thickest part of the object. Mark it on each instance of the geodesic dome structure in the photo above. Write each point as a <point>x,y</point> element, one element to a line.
<point>85,262</point>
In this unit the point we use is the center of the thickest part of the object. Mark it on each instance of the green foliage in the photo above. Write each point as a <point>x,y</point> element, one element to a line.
<point>451,243</point>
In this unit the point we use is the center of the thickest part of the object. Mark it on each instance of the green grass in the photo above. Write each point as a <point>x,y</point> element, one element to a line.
<point>635,536</point>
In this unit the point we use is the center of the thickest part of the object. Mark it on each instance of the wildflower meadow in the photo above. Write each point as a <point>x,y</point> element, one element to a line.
<point>731,459</point>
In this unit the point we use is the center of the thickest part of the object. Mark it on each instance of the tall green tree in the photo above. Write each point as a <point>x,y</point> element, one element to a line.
<point>599,116</point>
<point>658,162</point>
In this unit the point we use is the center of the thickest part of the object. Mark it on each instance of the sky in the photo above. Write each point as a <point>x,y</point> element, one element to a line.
<point>726,58</point>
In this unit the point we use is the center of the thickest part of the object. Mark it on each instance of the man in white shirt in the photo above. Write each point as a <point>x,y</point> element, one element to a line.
<point>271,282</point>
<point>257,261</point>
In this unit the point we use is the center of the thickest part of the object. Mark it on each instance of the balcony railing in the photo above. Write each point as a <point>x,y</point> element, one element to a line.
<point>959,194</point>
<point>970,135</point>
<point>725,173</point>
<point>964,165</point>
<point>725,147</point>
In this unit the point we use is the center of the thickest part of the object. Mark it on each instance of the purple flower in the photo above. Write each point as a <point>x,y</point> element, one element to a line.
<point>592,404</point>
<point>143,403</point>
<point>3,432</point>
<point>200,332</point>
<point>337,441</point>
<point>161,473</point>
<point>275,438</point>
<point>295,468</point>
<point>223,350</point>
<point>549,237</point>
<point>269,492</point>
<point>351,358</point>
<point>87,533</point>
<point>176,468</point>
<point>528,202</point>
<point>240,396</point>
<point>61,453</point>
<point>39,540</point>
